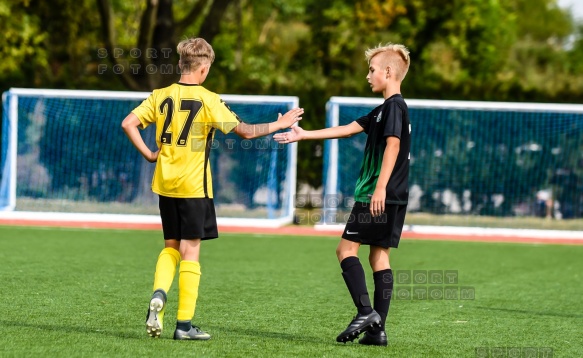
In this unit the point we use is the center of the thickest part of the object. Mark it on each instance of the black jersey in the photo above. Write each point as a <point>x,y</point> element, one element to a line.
<point>389,119</point>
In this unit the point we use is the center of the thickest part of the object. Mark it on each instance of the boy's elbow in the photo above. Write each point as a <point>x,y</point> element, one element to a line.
<point>126,122</point>
<point>244,132</point>
<point>129,122</point>
<point>127,127</point>
<point>247,135</point>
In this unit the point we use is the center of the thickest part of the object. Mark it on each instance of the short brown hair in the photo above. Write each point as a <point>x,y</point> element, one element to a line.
<point>194,52</point>
<point>394,55</point>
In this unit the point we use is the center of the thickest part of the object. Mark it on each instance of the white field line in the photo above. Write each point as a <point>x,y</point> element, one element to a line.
<point>56,217</point>
<point>477,231</point>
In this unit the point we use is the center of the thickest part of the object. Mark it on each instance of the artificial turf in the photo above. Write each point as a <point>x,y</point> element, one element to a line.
<point>82,292</point>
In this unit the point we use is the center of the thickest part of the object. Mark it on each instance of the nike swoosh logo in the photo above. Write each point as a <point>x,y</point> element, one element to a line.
<point>351,232</point>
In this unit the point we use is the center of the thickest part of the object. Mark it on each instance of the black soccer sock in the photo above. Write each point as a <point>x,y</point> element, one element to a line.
<point>184,325</point>
<point>353,275</point>
<point>383,291</point>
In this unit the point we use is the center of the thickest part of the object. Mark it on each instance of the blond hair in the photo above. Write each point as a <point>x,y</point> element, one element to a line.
<point>194,52</point>
<point>394,55</point>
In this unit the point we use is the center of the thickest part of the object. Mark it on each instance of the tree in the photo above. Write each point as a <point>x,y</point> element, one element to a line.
<point>516,50</point>
<point>23,41</point>
<point>157,37</point>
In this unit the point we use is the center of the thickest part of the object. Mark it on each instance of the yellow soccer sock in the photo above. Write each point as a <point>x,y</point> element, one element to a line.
<point>166,269</point>
<point>188,282</point>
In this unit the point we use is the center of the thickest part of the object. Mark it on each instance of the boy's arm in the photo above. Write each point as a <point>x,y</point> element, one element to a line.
<point>297,133</point>
<point>377,202</point>
<point>249,131</point>
<point>130,126</point>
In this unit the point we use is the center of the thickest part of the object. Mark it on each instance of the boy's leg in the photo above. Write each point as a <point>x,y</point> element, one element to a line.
<point>166,265</point>
<point>383,282</point>
<point>165,271</point>
<point>353,275</point>
<point>188,283</point>
<point>382,273</point>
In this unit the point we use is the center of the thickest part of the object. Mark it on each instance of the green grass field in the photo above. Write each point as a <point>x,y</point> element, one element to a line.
<point>75,292</point>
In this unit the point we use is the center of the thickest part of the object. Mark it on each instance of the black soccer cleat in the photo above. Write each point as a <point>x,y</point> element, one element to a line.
<point>360,323</point>
<point>374,339</point>
<point>194,334</point>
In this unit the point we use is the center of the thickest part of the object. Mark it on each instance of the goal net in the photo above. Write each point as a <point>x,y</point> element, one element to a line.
<point>64,151</point>
<point>478,158</point>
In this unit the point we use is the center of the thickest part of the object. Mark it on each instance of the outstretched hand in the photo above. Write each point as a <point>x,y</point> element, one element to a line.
<point>295,134</point>
<point>290,118</point>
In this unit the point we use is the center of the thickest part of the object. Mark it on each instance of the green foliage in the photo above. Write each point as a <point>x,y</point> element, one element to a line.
<point>23,40</point>
<point>516,50</point>
<point>545,20</point>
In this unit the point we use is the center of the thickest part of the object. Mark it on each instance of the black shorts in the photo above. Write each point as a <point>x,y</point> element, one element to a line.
<point>188,218</point>
<point>384,231</point>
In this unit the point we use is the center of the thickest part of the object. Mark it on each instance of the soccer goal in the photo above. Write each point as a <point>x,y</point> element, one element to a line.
<point>478,158</point>
<point>64,151</point>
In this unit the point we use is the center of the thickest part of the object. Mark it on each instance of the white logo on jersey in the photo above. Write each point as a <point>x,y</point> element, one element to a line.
<point>409,133</point>
<point>379,116</point>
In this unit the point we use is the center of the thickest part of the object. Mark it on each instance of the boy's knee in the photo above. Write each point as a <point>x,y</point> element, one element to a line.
<point>346,249</point>
<point>378,258</point>
<point>339,253</point>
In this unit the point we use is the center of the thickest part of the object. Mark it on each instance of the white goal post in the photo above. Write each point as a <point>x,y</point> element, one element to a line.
<point>271,177</point>
<point>520,127</point>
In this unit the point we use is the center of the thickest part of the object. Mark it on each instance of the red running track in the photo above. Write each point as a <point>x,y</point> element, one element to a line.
<point>290,230</point>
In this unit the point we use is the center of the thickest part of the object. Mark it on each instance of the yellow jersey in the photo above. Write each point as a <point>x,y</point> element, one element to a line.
<point>186,117</point>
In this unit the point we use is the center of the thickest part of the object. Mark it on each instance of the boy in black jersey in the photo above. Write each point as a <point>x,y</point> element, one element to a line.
<point>381,193</point>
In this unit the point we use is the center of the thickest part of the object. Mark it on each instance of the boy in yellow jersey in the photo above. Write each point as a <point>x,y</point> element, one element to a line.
<point>186,117</point>
<point>381,193</point>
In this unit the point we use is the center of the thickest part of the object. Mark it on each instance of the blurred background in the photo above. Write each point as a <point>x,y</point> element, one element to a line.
<point>514,50</point>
